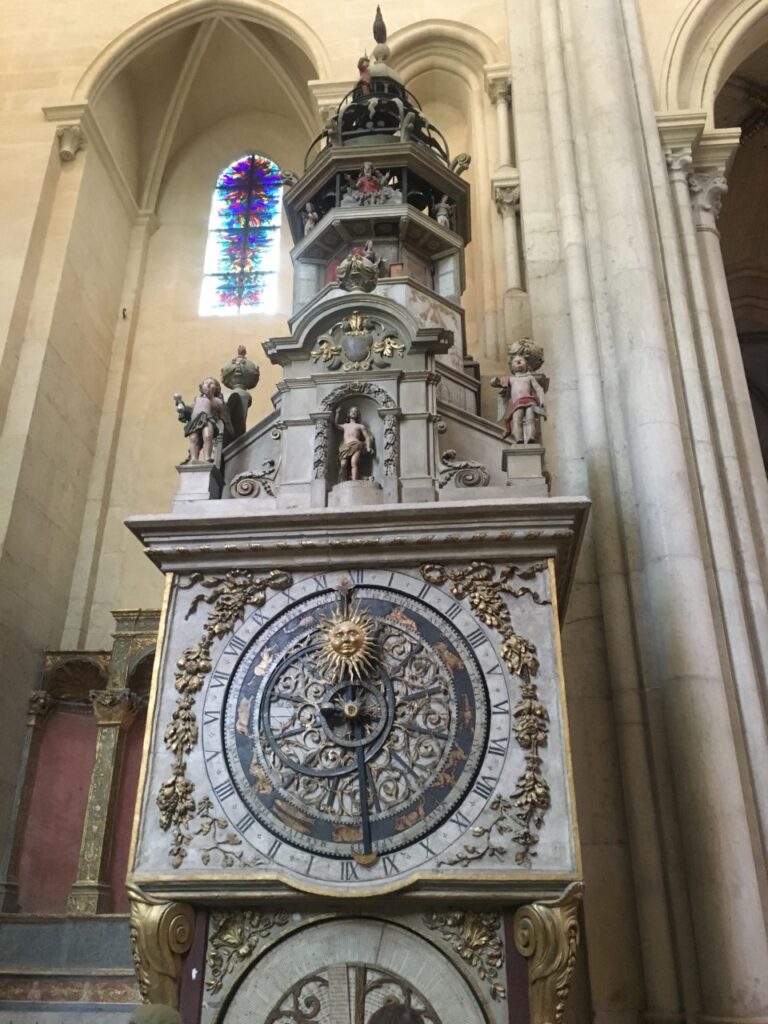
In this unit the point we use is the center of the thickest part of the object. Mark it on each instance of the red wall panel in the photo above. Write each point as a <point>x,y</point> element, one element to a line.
<point>50,845</point>
<point>124,812</point>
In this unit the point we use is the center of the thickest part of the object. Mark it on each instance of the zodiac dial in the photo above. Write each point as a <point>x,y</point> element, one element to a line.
<point>353,724</point>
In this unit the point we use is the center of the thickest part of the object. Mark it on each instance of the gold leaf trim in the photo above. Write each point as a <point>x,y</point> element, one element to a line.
<point>548,935</point>
<point>233,940</point>
<point>475,937</point>
<point>229,595</point>
<point>522,814</point>
<point>160,934</point>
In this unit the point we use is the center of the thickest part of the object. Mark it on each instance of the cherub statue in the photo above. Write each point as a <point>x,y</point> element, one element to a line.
<point>356,438</point>
<point>523,391</point>
<point>310,217</point>
<point>203,420</point>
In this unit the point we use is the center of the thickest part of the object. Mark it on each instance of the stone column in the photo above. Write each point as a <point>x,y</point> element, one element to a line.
<point>497,85</point>
<point>612,958</point>
<point>731,547</point>
<point>40,704</point>
<point>114,711</point>
<point>673,612</point>
<point>708,185</point>
<point>506,195</point>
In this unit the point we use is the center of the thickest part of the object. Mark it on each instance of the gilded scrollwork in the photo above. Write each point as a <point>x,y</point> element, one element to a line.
<point>180,813</point>
<point>521,815</point>
<point>160,933</point>
<point>234,938</point>
<point>548,935</point>
<point>477,940</point>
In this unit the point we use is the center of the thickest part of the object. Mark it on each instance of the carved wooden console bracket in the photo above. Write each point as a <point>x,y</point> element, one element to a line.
<point>548,935</point>
<point>160,934</point>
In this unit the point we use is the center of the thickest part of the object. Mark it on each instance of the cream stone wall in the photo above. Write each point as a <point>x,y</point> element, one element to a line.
<point>647,412</point>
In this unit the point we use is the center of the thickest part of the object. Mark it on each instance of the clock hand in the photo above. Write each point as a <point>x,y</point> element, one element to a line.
<point>364,813</point>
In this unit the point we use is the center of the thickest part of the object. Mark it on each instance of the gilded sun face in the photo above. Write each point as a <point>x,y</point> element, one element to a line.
<point>348,643</point>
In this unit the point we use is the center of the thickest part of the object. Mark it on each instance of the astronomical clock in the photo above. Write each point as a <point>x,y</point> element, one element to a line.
<point>356,802</point>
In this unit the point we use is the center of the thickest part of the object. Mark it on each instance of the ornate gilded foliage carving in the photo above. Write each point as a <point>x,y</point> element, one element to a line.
<point>234,938</point>
<point>477,940</point>
<point>520,816</point>
<point>179,811</point>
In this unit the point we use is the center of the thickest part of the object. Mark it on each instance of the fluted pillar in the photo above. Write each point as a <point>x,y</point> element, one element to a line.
<point>114,711</point>
<point>732,550</point>
<point>708,185</point>
<point>676,625</point>
<point>497,85</point>
<point>507,199</point>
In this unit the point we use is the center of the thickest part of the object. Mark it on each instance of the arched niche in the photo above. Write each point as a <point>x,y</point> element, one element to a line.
<point>412,962</point>
<point>164,84</point>
<point>442,64</point>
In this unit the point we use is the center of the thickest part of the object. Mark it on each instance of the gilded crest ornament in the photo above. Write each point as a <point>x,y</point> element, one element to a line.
<point>357,342</point>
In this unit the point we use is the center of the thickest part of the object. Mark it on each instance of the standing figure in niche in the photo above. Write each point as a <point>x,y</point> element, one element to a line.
<point>524,393</point>
<point>444,213</point>
<point>356,438</point>
<point>203,419</point>
<point>310,217</point>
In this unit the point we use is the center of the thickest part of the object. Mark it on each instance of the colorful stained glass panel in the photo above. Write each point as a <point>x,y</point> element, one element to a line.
<point>242,254</point>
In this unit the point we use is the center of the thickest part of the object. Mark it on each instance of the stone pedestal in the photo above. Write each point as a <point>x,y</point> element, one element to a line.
<point>524,467</point>
<point>198,481</point>
<point>351,493</point>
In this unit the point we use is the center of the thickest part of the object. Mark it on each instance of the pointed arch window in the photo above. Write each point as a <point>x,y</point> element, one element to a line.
<point>243,249</point>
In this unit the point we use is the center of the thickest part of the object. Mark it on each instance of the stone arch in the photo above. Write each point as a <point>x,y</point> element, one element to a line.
<point>184,13</point>
<point>440,42</point>
<point>709,41</point>
<point>265,976</point>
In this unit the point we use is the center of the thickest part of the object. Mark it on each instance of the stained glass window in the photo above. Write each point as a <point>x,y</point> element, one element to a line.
<point>243,250</point>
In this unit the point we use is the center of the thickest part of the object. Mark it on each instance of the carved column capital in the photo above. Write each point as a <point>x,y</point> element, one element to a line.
<point>507,198</point>
<point>548,935</point>
<point>707,191</point>
<point>160,934</point>
<point>113,707</point>
<point>499,89</point>
<point>40,704</point>
<point>679,162</point>
<point>71,140</point>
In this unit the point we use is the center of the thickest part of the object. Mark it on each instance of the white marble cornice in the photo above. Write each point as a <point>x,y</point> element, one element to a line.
<point>681,129</point>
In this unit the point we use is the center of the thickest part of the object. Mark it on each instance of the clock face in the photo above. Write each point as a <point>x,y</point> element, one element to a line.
<point>346,722</point>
